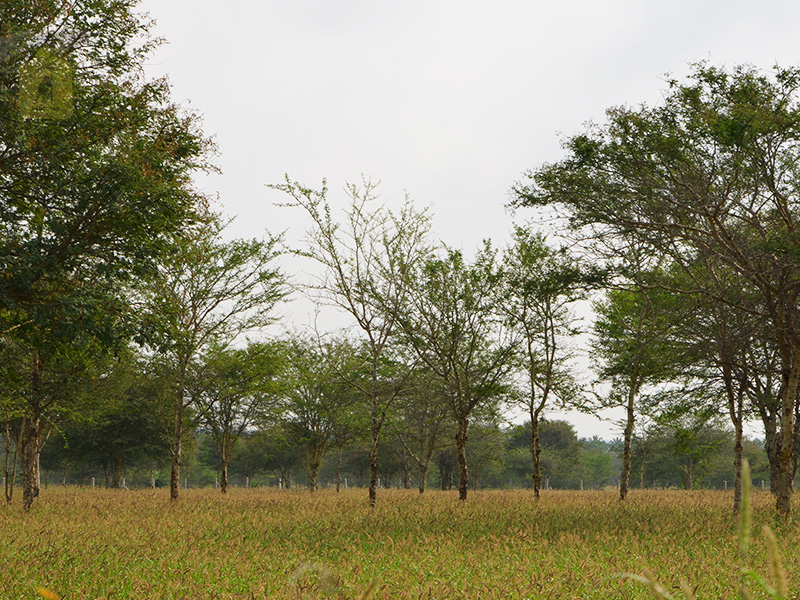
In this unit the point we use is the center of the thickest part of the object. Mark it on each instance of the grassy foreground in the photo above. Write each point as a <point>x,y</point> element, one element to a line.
<point>82,543</point>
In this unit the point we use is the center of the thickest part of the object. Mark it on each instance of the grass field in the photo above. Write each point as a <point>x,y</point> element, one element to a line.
<point>82,543</point>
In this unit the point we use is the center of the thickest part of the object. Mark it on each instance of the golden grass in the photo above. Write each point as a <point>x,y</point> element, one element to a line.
<point>81,543</point>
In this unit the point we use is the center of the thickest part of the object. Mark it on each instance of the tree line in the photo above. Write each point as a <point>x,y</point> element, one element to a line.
<point>687,455</point>
<point>124,304</point>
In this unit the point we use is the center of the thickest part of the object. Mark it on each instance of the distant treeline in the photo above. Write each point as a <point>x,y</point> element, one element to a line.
<point>499,456</point>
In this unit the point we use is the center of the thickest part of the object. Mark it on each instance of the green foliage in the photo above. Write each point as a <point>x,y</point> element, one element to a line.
<point>84,211</point>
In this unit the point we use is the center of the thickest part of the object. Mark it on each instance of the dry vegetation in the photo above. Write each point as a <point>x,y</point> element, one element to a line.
<point>83,543</point>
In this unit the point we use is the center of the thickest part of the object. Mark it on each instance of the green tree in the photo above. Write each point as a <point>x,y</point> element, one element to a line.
<point>633,349</point>
<point>315,400</point>
<point>453,327</point>
<point>205,295</point>
<point>561,453</point>
<point>239,387</point>
<point>95,166</point>
<point>366,265</point>
<point>709,172</point>
<point>422,421</point>
<point>540,285</point>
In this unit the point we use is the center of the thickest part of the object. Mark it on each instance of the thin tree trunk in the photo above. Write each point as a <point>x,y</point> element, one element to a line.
<point>10,470</point>
<point>314,461</point>
<point>31,438</point>
<point>461,447</point>
<point>536,453</point>
<point>175,471</point>
<point>339,452</point>
<point>373,458</point>
<point>423,476</point>
<point>223,475</point>
<point>627,443</point>
<point>785,467</point>
<point>118,462</point>
<point>30,451</point>
<point>738,453</point>
<point>771,446</point>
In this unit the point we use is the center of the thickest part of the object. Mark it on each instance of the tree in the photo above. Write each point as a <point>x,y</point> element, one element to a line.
<point>726,342</point>
<point>451,323</point>
<point>204,296</point>
<point>422,420</point>
<point>122,430</point>
<point>366,266</point>
<point>315,399</point>
<point>540,284</point>
<point>633,347</point>
<point>238,388</point>
<point>710,172</point>
<point>95,166</point>
<point>561,453</point>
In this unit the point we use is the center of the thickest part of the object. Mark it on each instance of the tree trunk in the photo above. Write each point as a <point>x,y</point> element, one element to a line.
<point>461,447</point>
<point>118,462</point>
<point>10,470</point>
<point>689,472</point>
<point>339,452</point>
<point>31,444</point>
<point>223,475</point>
<point>771,446</point>
<point>423,476</point>
<point>30,455</point>
<point>373,459</point>
<point>312,471</point>
<point>176,447</point>
<point>785,467</point>
<point>626,451</point>
<point>536,453</point>
<point>738,452</point>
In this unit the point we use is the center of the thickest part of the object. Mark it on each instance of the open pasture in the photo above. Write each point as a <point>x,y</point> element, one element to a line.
<point>260,543</point>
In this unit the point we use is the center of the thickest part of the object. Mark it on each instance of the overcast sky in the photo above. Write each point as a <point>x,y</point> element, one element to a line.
<point>447,100</point>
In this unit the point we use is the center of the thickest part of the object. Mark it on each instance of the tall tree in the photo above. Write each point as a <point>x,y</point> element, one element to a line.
<point>95,166</point>
<point>316,400</point>
<point>711,171</point>
<point>540,286</point>
<point>365,264</point>
<point>633,349</point>
<point>205,295</point>
<point>238,387</point>
<point>452,324</point>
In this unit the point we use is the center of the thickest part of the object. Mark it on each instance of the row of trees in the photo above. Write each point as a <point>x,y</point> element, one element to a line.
<point>119,288</point>
<point>684,455</point>
<point>693,204</point>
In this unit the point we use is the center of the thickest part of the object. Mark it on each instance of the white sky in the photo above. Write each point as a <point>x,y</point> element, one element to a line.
<point>448,100</point>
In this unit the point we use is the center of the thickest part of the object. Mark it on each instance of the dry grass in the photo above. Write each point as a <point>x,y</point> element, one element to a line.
<point>93,544</point>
